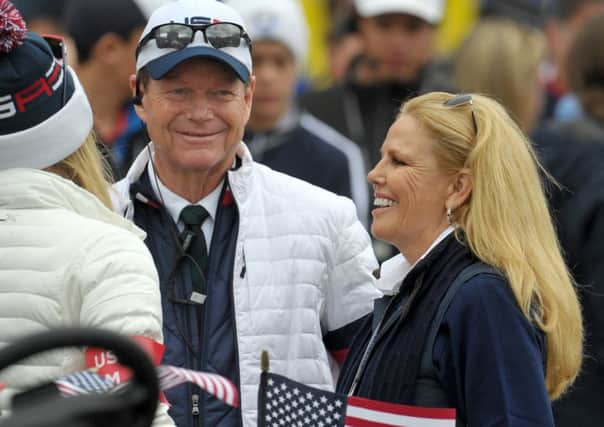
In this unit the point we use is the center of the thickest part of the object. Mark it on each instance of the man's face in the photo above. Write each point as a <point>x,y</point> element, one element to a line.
<point>196,116</point>
<point>399,44</point>
<point>275,71</point>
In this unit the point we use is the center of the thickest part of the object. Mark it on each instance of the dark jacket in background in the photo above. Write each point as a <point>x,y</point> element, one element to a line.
<point>573,153</point>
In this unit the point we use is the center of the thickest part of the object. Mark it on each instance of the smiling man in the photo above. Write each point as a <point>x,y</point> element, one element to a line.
<point>249,259</point>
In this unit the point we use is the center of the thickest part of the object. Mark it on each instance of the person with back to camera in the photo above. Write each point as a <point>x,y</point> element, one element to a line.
<point>65,258</point>
<point>249,259</point>
<point>480,312</point>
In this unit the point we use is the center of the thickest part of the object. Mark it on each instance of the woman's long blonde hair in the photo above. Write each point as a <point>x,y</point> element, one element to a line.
<point>86,168</point>
<point>506,220</point>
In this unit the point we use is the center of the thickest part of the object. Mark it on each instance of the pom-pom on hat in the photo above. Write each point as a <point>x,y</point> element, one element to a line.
<point>37,129</point>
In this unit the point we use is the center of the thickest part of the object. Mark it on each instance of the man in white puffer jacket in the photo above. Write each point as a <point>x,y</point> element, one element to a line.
<point>65,258</point>
<point>249,259</point>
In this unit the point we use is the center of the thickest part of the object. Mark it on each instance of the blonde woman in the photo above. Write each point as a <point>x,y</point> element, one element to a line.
<point>480,312</point>
<point>503,59</point>
<point>65,258</point>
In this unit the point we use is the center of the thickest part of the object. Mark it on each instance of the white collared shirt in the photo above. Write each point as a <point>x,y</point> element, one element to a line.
<point>394,270</point>
<point>174,204</point>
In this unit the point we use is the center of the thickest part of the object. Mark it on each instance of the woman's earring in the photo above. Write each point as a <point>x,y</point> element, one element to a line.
<point>449,216</point>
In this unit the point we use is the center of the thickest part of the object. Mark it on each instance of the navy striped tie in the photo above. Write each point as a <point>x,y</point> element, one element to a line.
<point>193,217</point>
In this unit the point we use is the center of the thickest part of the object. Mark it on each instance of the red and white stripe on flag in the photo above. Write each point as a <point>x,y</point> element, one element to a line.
<point>372,413</point>
<point>216,385</point>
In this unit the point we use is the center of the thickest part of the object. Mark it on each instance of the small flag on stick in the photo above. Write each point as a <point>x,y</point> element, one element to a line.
<point>282,401</point>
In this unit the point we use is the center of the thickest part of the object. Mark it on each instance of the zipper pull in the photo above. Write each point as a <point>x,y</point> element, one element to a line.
<point>242,274</point>
<point>195,401</point>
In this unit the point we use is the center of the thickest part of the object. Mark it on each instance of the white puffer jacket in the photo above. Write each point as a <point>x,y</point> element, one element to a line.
<point>67,260</point>
<point>308,270</point>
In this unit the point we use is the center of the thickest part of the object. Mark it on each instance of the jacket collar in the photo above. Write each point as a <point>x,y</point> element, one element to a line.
<point>37,189</point>
<point>239,177</point>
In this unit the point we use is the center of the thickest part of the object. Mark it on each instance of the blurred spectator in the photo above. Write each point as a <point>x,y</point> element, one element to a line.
<point>566,17</point>
<point>278,134</point>
<point>488,62</point>
<point>585,68</point>
<point>106,33</point>
<point>573,152</point>
<point>398,38</point>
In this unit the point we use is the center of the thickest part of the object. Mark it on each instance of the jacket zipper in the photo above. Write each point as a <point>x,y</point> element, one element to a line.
<point>195,405</point>
<point>201,324</point>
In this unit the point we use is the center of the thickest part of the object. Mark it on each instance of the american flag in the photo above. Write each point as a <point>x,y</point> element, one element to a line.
<point>284,402</point>
<point>86,382</point>
<point>216,385</point>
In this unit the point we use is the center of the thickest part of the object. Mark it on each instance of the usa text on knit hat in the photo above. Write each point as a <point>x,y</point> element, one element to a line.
<point>429,10</point>
<point>37,129</point>
<point>198,13</point>
<point>282,21</point>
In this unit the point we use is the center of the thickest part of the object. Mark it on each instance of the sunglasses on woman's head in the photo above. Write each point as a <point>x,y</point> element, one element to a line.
<point>460,100</point>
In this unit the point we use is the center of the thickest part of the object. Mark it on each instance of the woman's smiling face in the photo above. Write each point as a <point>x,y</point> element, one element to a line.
<point>410,190</point>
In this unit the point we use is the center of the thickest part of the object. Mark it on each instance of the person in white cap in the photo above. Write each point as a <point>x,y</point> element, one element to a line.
<point>65,258</point>
<point>249,259</point>
<point>398,36</point>
<point>278,133</point>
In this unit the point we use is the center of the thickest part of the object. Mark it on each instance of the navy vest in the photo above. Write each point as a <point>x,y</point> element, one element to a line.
<point>197,336</point>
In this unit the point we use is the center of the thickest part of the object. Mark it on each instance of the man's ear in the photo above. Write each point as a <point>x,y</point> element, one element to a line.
<point>248,96</point>
<point>137,97</point>
<point>460,189</point>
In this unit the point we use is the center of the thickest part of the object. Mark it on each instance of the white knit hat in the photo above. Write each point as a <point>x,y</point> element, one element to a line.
<point>276,20</point>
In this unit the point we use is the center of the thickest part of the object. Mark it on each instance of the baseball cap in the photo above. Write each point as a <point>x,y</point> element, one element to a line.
<point>281,21</point>
<point>430,11</point>
<point>159,61</point>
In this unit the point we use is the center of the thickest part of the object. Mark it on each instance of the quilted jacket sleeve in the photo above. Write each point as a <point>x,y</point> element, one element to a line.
<point>115,286</point>
<point>351,286</point>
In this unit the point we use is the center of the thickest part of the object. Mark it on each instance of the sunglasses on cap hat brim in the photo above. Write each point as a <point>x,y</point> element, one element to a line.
<point>178,36</point>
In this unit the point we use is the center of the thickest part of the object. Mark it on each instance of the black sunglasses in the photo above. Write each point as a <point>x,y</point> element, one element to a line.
<point>463,99</point>
<point>179,36</point>
<point>57,46</point>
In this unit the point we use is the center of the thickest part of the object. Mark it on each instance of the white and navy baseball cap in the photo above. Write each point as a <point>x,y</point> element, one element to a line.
<point>159,61</point>
<point>431,11</point>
